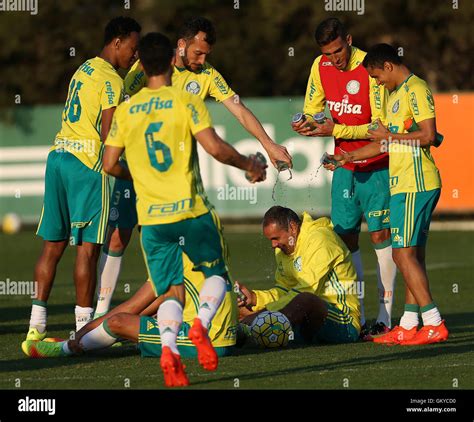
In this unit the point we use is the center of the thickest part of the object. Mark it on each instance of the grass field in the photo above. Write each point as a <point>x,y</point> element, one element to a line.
<point>356,366</point>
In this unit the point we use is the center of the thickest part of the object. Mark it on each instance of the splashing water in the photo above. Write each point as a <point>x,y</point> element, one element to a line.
<point>277,178</point>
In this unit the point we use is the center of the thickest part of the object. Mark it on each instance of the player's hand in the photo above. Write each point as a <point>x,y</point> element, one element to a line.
<point>324,129</point>
<point>340,158</point>
<point>257,170</point>
<point>75,347</point>
<point>279,153</point>
<point>379,134</point>
<point>301,128</point>
<point>246,297</point>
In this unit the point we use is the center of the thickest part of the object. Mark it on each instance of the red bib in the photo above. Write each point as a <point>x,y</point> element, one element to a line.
<point>348,99</point>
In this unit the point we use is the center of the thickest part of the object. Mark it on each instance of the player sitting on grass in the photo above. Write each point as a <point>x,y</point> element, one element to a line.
<point>315,279</point>
<point>415,187</point>
<point>133,320</point>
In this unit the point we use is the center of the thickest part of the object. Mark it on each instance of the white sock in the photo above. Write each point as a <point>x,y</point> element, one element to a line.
<point>210,298</point>
<point>83,316</point>
<point>109,270</point>
<point>386,276</point>
<point>409,320</point>
<point>431,317</point>
<point>170,318</point>
<point>357,261</point>
<point>39,315</point>
<point>98,338</point>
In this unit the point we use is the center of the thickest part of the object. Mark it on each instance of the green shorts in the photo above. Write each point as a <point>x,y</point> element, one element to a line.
<point>76,201</point>
<point>332,331</point>
<point>410,215</point>
<point>199,238</point>
<point>123,211</point>
<point>358,193</point>
<point>149,341</point>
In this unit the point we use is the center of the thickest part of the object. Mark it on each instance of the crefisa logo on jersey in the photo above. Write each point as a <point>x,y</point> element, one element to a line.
<point>193,87</point>
<point>396,106</point>
<point>353,87</point>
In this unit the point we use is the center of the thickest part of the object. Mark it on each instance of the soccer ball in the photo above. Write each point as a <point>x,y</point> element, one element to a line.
<point>271,329</point>
<point>11,223</point>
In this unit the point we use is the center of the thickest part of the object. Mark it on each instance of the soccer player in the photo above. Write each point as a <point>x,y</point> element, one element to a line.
<point>415,187</point>
<point>193,74</point>
<point>315,280</point>
<point>76,198</point>
<point>338,80</point>
<point>157,129</point>
<point>134,320</point>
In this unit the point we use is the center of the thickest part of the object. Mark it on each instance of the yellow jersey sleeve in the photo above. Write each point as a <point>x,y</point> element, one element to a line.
<point>135,79</point>
<point>420,101</point>
<point>315,100</point>
<point>111,93</point>
<point>219,88</point>
<point>197,114</point>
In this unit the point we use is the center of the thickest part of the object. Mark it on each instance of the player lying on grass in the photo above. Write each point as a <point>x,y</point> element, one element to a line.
<point>133,320</point>
<point>415,188</point>
<point>315,280</point>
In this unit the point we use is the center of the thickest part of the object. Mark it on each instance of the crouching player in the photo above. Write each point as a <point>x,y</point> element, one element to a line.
<point>133,320</point>
<point>315,279</point>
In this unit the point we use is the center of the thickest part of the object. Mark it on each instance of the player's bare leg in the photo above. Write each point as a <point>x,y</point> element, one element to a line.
<point>85,278</point>
<point>386,276</point>
<point>109,267</point>
<point>410,262</point>
<point>44,274</point>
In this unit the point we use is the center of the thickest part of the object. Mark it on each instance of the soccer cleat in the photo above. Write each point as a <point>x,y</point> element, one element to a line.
<point>396,336</point>
<point>35,335</point>
<point>364,332</point>
<point>207,356</point>
<point>376,330</point>
<point>173,369</point>
<point>427,335</point>
<point>53,340</point>
<point>42,349</point>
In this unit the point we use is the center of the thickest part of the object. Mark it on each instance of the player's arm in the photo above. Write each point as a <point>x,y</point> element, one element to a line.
<point>368,151</point>
<point>114,147</point>
<point>423,137</point>
<point>107,116</point>
<point>248,120</point>
<point>214,145</point>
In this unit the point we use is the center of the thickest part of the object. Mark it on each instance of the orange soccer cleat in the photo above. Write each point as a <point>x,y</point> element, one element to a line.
<point>427,335</point>
<point>396,336</point>
<point>173,369</point>
<point>207,356</point>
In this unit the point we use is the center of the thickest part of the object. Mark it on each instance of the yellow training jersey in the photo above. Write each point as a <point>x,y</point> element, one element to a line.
<point>96,86</point>
<point>208,82</point>
<point>155,127</point>
<point>224,325</point>
<point>412,169</point>
<point>320,264</point>
<point>315,98</point>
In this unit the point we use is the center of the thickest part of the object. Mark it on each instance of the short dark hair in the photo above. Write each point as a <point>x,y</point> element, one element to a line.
<point>379,54</point>
<point>155,52</point>
<point>120,27</point>
<point>329,30</point>
<point>196,24</point>
<point>281,216</point>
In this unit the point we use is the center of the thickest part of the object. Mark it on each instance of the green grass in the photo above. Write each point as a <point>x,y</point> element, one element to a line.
<point>362,365</point>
